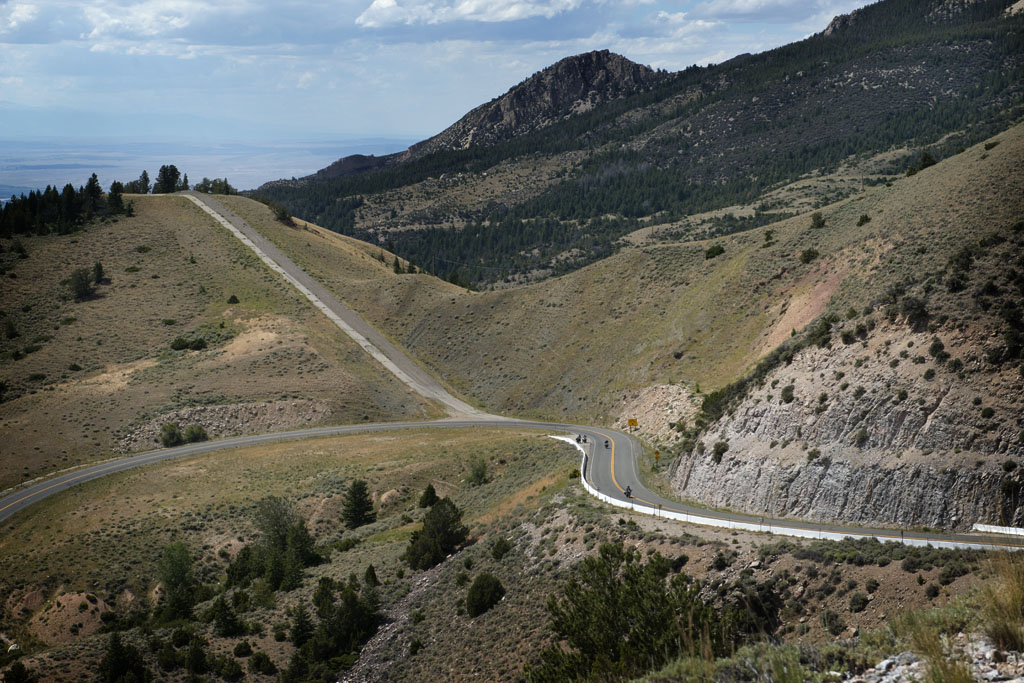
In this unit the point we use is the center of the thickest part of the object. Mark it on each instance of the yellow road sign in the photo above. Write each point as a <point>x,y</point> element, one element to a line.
<point>631,422</point>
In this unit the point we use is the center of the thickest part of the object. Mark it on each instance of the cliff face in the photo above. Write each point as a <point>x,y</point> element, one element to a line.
<point>570,87</point>
<point>875,431</point>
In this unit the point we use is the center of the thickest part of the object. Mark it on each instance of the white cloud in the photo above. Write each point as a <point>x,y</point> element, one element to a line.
<point>145,19</point>
<point>152,18</point>
<point>679,24</point>
<point>437,60</point>
<point>391,12</point>
<point>20,14</point>
<point>807,14</point>
<point>723,8</point>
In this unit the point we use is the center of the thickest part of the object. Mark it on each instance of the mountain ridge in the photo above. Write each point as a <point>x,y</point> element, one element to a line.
<point>546,199</point>
<point>571,86</point>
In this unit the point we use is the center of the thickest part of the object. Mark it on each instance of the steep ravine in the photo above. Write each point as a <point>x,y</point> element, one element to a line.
<point>876,431</point>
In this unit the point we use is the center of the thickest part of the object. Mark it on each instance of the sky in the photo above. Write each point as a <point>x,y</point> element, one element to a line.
<point>258,71</point>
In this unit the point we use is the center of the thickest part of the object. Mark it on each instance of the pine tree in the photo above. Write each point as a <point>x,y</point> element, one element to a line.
<point>429,496</point>
<point>168,179</point>
<point>175,572</point>
<point>81,283</point>
<point>323,598</point>
<point>225,622</point>
<point>114,199</point>
<point>122,663</point>
<point>93,194</point>
<point>302,626</point>
<point>358,509</point>
<point>19,674</point>
<point>442,533</point>
<point>291,577</point>
<point>299,541</point>
<point>484,594</point>
<point>370,577</point>
<point>196,660</point>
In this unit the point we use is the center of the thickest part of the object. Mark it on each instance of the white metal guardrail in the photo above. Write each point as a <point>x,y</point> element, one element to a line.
<point>992,529</point>
<point>766,527</point>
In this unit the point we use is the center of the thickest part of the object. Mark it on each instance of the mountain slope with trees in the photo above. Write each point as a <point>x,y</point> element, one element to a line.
<point>896,75</point>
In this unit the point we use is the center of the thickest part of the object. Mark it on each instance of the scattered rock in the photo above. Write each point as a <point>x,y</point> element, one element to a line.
<point>230,420</point>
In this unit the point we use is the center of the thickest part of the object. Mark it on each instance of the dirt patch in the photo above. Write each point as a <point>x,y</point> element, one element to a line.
<point>390,496</point>
<point>116,377</point>
<point>260,335</point>
<point>230,420</point>
<point>804,302</point>
<point>28,603</point>
<point>68,616</point>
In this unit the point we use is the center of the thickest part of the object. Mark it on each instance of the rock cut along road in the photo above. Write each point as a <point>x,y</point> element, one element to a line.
<point>607,470</point>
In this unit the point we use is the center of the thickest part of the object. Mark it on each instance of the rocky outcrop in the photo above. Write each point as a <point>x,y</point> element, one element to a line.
<point>875,432</point>
<point>230,420</point>
<point>840,488</point>
<point>975,651</point>
<point>840,22</point>
<point>570,87</point>
<point>657,410</point>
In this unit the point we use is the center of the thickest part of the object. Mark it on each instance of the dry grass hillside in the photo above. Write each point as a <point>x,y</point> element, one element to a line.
<point>117,527</point>
<point>573,347</point>
<point>85,379</point>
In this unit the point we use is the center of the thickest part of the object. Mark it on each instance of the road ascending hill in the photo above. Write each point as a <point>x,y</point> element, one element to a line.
<point>610,466</point>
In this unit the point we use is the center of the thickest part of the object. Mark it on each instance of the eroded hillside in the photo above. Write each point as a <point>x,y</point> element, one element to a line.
<point>83,379</point>
<point>907,411</point>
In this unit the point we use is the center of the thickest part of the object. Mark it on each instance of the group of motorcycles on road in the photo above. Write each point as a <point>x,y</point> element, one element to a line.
<point>582,438</point>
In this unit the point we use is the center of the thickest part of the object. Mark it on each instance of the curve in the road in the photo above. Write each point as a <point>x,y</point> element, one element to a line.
<point>603,475</point>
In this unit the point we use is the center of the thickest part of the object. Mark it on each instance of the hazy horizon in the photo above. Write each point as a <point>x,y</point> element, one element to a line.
<point>36,163</point>
<point>256,70</point>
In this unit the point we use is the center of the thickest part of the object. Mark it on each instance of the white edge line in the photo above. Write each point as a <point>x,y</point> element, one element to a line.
<point>692,518</point>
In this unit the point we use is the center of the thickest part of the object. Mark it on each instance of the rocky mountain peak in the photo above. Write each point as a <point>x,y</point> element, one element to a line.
<point>569,87</point>
<point>840,22</point>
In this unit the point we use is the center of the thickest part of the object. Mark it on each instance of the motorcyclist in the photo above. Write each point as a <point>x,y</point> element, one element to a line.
<point>629,492</point>
<point>606,443</point>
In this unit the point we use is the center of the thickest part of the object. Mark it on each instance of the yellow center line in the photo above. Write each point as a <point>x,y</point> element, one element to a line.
<point>712,515</point>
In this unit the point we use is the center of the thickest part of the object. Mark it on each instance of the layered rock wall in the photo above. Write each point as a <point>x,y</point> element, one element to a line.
<point>873,432</point>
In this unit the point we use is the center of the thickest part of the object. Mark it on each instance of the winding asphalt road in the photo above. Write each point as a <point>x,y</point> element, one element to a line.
<point>610,462</point>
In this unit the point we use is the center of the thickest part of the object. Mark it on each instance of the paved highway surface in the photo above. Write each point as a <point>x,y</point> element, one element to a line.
<point>610,469</point>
